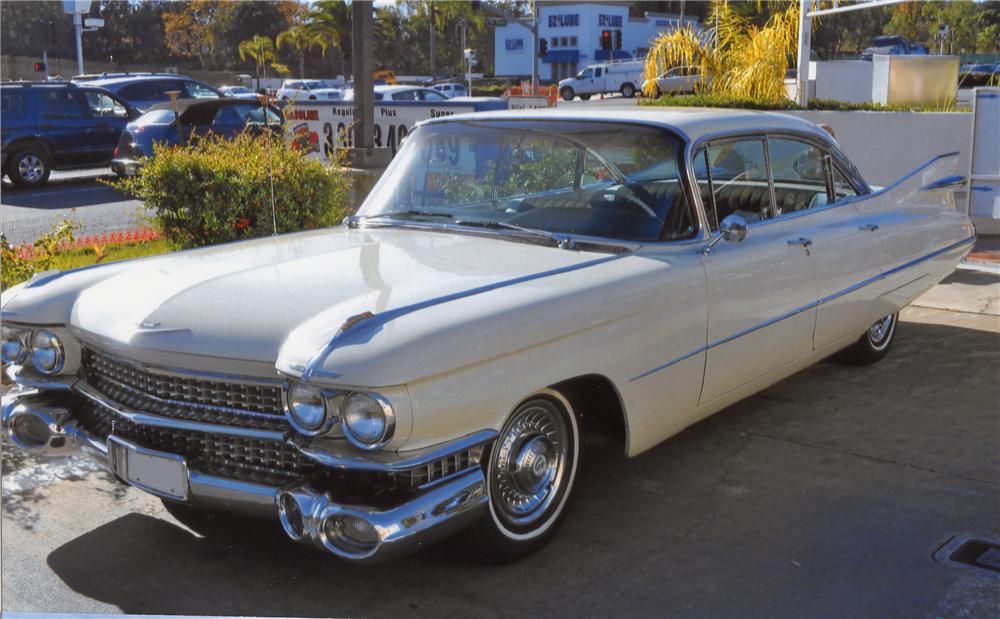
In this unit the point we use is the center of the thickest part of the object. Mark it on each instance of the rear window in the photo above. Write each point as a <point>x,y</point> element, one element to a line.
<point>156,117</point>
<point>14,104</point>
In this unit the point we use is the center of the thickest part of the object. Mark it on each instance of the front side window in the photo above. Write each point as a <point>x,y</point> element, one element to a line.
<point>619,182</point>
<point>405,95</point>
<point>799,170</point>
<point>200,91</point>
<point>738,170</point>
<point>430,95</point>
<point>103,105</point>
<point>585,74</point>
<point>842,188</point>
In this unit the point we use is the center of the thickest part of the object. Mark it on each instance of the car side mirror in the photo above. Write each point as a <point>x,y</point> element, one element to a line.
<point>732,229</point>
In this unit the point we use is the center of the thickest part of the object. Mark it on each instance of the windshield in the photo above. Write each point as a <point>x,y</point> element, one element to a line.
<point>313,84</point>
<point>580,178</point>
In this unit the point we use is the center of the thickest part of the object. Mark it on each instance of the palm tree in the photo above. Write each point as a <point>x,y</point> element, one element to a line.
<point>261,49</point>
<point>302,38</point>
<point>332,20</point>
<point>735,57</point>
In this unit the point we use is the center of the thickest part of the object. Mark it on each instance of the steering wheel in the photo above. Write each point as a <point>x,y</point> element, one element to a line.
<point>632,195</point>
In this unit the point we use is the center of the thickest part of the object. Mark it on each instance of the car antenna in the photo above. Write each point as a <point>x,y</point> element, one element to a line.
<point>270,167</point>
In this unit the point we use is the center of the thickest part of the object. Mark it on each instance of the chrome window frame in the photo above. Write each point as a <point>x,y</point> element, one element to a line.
<point>838,159</point>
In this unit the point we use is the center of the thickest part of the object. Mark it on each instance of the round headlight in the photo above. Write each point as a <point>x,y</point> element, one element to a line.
<point>307,408</point>
<point>14,349</point>
<point>46,352</point>
<point>368,420</point>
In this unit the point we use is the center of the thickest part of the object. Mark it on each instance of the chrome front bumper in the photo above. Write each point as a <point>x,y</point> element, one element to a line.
<point>39,423</point>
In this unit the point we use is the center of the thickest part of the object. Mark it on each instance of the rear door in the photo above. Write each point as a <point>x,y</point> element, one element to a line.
<point>761,293</point>
<point>808,184</point>
<point>65,118</point>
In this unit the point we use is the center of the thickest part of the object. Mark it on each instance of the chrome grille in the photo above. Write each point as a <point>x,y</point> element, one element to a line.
<point>240,404</point>
<point>235,457</point>
<point>436,470</point>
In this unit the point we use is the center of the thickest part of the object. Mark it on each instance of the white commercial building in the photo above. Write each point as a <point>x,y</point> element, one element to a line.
<point>573,32</point>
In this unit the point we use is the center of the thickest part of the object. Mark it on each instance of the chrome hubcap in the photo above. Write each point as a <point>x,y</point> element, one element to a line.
<point>31,168</point>
<point>529,464</point>
<point>878,331</point>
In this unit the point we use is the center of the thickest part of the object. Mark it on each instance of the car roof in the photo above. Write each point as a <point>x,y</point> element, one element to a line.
<point>691,123</point>
<point>184,105</point>
<point>111,81</point>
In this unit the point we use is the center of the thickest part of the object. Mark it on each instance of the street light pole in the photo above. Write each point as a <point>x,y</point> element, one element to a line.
<point>534,48</point>
<point>78,27</point>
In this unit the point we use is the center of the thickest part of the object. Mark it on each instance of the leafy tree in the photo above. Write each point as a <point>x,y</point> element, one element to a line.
<point>744,60</point>
<point>301,38</point>
<point>332,20</point>
<point>261,50</point>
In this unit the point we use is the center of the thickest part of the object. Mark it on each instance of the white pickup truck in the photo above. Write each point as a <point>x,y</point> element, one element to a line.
<point>622,76</point>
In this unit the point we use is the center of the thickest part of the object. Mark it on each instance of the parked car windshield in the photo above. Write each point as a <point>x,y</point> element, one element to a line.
<point>601,180</point>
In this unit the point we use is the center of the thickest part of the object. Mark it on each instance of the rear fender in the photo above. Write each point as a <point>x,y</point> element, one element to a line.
<point>932,184</point>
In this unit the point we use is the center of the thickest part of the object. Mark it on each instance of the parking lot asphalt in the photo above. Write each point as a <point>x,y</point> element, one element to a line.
<point>826,495</point>
<point>27,214</point>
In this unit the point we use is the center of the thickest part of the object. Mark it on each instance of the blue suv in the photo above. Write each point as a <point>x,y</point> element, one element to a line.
<point>57,125</point>
<point>143,90</point>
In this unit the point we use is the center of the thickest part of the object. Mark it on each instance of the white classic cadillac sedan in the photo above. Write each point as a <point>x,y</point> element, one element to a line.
<point>512,283</point>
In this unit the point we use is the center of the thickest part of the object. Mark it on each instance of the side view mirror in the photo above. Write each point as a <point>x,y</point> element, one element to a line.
<point>732,229</point>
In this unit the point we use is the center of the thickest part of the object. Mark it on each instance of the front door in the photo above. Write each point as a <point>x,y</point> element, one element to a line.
<point>761,293</point>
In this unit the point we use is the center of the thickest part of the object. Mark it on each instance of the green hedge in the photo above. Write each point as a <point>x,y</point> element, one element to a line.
<point>708,100</point>
<point>215,190</point>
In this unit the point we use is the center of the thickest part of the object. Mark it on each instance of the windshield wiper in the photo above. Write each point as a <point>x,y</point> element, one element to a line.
<point>401,214</point>
<point>562,242</point>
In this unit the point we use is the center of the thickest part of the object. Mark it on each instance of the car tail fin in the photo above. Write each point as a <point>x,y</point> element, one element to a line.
<point>932,184</point>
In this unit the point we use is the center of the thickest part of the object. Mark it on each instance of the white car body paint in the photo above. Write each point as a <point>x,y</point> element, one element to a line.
<point>466,325</point>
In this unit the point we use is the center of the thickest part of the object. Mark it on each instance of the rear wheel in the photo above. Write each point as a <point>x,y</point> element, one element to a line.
<point>628,90</point>
<point>29,166</point>
<point>567,93</point>
<point>874,344</point>
<point>530,476</point>
<point>584,97</point>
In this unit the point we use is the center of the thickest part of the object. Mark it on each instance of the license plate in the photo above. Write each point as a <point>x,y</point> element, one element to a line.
<point>160,473</point>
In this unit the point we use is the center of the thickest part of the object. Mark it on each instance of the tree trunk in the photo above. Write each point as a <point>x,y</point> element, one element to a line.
<point>433,44</point>
<point>302,65</point>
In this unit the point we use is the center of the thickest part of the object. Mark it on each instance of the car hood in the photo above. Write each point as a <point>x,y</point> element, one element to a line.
<point>282,298</point>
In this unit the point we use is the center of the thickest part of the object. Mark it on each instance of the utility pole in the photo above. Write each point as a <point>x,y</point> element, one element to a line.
<point>534,48</point>
<point>433,29</point>
<point>78,27</point>
<point>805,41</point>
<point>362,32</point>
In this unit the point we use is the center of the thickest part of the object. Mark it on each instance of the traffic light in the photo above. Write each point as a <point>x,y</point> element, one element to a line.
<point>618,39</point>
<point>39,67</point>
<point>605,39</point>
<point>543,47</point>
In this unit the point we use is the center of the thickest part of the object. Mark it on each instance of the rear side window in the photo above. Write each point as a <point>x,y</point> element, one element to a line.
<point>800,173</point>
<point>405,95</point>
<point>14,104</point>
<point>64,103</point>
<point>138,92</point>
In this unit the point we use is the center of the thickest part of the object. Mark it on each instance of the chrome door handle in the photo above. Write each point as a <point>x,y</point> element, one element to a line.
<point>800,241</point>
<point>869,227</point>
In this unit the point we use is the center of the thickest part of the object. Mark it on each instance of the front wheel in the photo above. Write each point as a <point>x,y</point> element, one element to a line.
<point>628,90</point>
<point>530,476</point>
<point>874,344</point>
<point>567,93</point>
<point>29,167</point>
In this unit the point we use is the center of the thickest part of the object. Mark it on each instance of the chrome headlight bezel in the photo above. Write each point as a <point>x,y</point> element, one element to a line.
<point>297,420</point>
<point>380,405</point>
<point>24,348</point>
<point>57,347</point>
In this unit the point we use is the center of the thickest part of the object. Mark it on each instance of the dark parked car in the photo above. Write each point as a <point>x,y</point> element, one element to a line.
<point>144,90</point>
<point>57,125</point>
<point>192,117</point>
